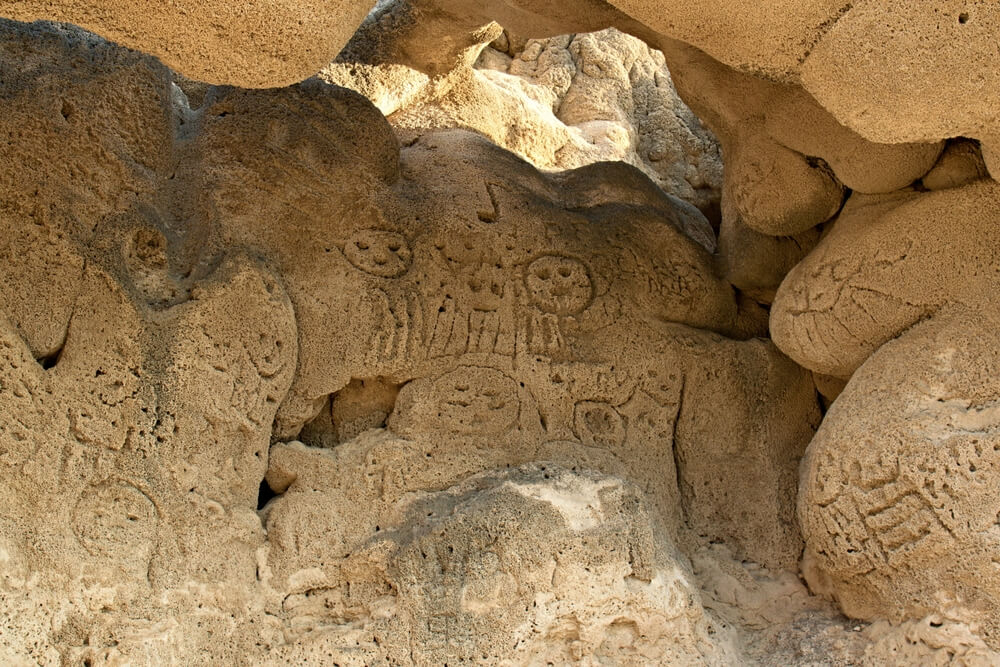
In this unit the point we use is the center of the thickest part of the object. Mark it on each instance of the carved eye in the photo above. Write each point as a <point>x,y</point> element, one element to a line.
<point>564,272</point>
<point>394,247</point>
<point>362,245</point>
<point>544,274</point>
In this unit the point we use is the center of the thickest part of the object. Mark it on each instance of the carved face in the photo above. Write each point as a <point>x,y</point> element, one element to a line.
<point>479,401</point>
<point>380,253</point>
<point>485,286</point>
<point>115,519</point>
<point>559,285</point>
<point>457,252</point>
<point>598,424</point>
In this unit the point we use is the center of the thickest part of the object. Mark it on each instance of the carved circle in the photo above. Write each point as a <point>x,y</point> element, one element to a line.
<point>114,519</point>
<point>476,401</point>
<point>559,285</point>
<point>598,424</point>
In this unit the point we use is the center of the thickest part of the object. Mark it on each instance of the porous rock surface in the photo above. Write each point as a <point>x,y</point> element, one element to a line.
<point>273,265</point>
<point>237,42</point>
<point>279,388</point>
<point>884,68</point>
<point>560,103</point>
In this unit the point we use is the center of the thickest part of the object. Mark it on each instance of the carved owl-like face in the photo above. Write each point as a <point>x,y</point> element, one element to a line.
<point>559,285</point>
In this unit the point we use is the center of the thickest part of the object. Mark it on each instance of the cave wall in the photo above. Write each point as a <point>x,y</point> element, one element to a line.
<point>493,361</point>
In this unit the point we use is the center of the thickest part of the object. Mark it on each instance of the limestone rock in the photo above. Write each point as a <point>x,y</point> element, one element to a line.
<point>273,262</point>
<point>961,162</point>
<point>560,103</point>
<point>918,48</point>
<point>530,565</point>
<point>786,157</point>
<point>883,69</point>
<point>264,44</point>
<point>867,282</point>
<point>285,381</point>
<point>898,499</point>
<point>757,263</point>
<point>771,39</point>
<point>862,61</point>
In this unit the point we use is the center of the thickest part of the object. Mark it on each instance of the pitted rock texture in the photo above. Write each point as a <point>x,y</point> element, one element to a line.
<point>273,265</point>
<point>559,103</point>
<point>884,69</point>
<point>278,388</point>
<point>866,283</point>
<point>895,520</point>
<point>253,44</point>
<point>531,565</point>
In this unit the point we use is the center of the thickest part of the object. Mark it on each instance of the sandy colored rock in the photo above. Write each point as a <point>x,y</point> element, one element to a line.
<point>277,387</point>
<point>436,36</point>
<point>496,306</point>
<point>961,162</point>
<point>887,69</point>
<point>897,499</point>
<point>530,565</point>
<point>258,45</point>
<point>867,282</point>
<point>829,387</point>
<point>429,314</point>
<point>785,155</point>
<point>756,263</point>
<point>560,103</point>
<point>771,39</point>
<point>862,61</point>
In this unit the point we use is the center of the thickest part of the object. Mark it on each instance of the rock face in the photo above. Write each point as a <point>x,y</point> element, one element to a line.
<point>560,103</point>
<point>531,565</point>
<point>898,497</point>
<point>273,265</point>
<point>259,44</point>
<point>884,69</point>
<point>493,362</point>
<point>863,61</point>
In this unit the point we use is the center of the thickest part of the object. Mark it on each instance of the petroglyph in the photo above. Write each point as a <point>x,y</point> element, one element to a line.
<point>598,424</point>
<point>274,266</point>
<point>381,253</point>
<point>559,285</point>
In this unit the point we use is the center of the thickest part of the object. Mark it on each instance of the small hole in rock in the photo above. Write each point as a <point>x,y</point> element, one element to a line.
<point>51,360</point>
<point>264,495</point>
